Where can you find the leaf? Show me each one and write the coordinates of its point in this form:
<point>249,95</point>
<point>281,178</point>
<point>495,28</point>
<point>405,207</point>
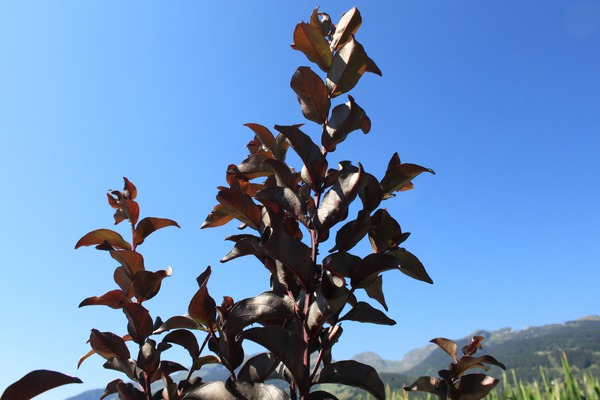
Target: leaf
<point>335,203</point>
<point>288,347</point>
<point>178,322</point>
<point>202,307</point>
<point>36,382</point>
<point>372,67</point>
<point>385,232</point>
<point>185,339</point>
<point>375,291</point>
<point>311,42</point>
<point>410,265</point>
<point>292,253</point>
<point>139,323</point>
<point>321,395</point>
<point>341,263</point>
<point>212,390</point>
<point>111,388</point>
<point>370,267</point>
<point>128,367</point>
<point>476,386</point>
<point>266,308</point>
<point>244,245</point>
<point>217,217</point>
<point>467,362</point>
<point>352,232</point>
<point>241,207</point>
<point>320,21</point>
<point>148,359</point>
<point>256,391</point>
<point>312,95</point>
<point>424,384</point>
<point>346,28</point>
<point>123,278</point>
<point>108,345</point>
<point>447,345</point>
<point>100,236</point>
<point>315,163</point>
<point>254,166</point>
<point>284,175</point>
<point>398,177</point>
<point>370,193</point>
<point>364,312</point>
<point>148,225</point>
<point>286,199</point>
<point>472,347</point>
<point>114,299</point>
<point>345,118</point>
<point>353,373</point>
<point>264,135</point>
<point>258,368</point>
<point>146,284</point>
<point>129,259</point>
<point>348,65</point>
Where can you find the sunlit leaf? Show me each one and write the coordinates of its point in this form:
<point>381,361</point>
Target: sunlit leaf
<point>286,199</point>
<point>255,166</point>
<point>352,232</point>
<point>348,65</point>
<point>129,259</point>
<point>100,236</point>
<point>178,322</point>
<point>312,95</point>
<point>385,232</point>
<point>139,324</point>
<point>202,307</point>
<point>263,134</point>
<point>473,345</point>
<point>353,373</point>
<point>341,263</point>
<point>311,42</point>
<point>256,391</point>
<point>217,217</point>
<point>36,382</point>
<point>241,206</point>
<point>372,67</point>
<point>113,299</point>
<point>424,384</point>
<point>288,347</point>
<point>146,284</point>
<point>148,225</point>
<point>345,118</point>
<point>346,28</point>
<point>447,345</point>
<point>148,358</point>
<point>285,176</point>
<point>294,254</point>
<point>398,177</point>
<point>315,163</point>
<point>467,362</point>
<point>266,308</point>
<point>320,21</point>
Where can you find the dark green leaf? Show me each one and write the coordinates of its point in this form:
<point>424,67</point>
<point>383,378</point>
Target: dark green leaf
<point>310,41</point>
<point>348,65</point>
<point>148,225</point>
<point>410,265</point>
<point>288,347</point>
<point>346,28</point>
<point>363,312</point>
<point>353,373</point>
<point>345,118</point>
<point>36,382</point>
<point>315,163</point>
<point>312,95</point>
<point>100,236</point>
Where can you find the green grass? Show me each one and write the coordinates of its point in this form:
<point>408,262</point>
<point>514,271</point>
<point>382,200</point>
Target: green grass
<point>567,387</point>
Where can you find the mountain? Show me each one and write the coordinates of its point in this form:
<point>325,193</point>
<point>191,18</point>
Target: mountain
<point>524,350</point>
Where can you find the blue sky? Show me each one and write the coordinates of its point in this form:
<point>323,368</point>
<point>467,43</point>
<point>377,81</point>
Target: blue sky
<point>501,99</point>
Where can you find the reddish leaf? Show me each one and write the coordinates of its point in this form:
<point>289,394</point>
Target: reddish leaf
<point>123,278</point>
<point>410,265</point>
<point>258,368</point>
<point>364,312</point>
<point>447,345</point>
<point>241,206</point>
<point>148,225</point>
<point>99,236</point>
<point>372,67</point>
<point>178,322</point>
<point>146,284</point>
<point>467,362</point>
<point>131,260</point>
<point>283,198</point>
<point>108,345</point>
<point>255,167</point>
<point>385,232</point>
<point>346,28</point>
<point>294,254</point>
<point>129,189</point>
<point>424,384</point>
<point>311,42</point>
<point>476,386</point>
<point>202,307</point>
<point>352,232</point>
<point>375,291</point>
<point>114,299</point>
<point>472,347</point>
<point>370,193</point>
<point>244,245</point>
<point>139,324</point>
<point>320,21</point>
<point>217,217</point>
<point>334,207</point>
<point>288,347</point>
<point>370,267</point>
<point>353,373</point>
<point>312,95</point>
<point>264,135</point>
<point>345,118</point>
<point>398,177</point>
<point>185,339</point>
<point>348,65</point>
<point>315,163</point>
<point>148,358</point>
<point>341,263</point>
<point>36,382</point>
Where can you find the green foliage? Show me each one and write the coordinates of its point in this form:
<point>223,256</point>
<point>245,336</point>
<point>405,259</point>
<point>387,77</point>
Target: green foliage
<point>286,213</point>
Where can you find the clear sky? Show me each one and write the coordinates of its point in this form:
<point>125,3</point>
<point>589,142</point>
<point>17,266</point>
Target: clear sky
<point>500,98</point>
